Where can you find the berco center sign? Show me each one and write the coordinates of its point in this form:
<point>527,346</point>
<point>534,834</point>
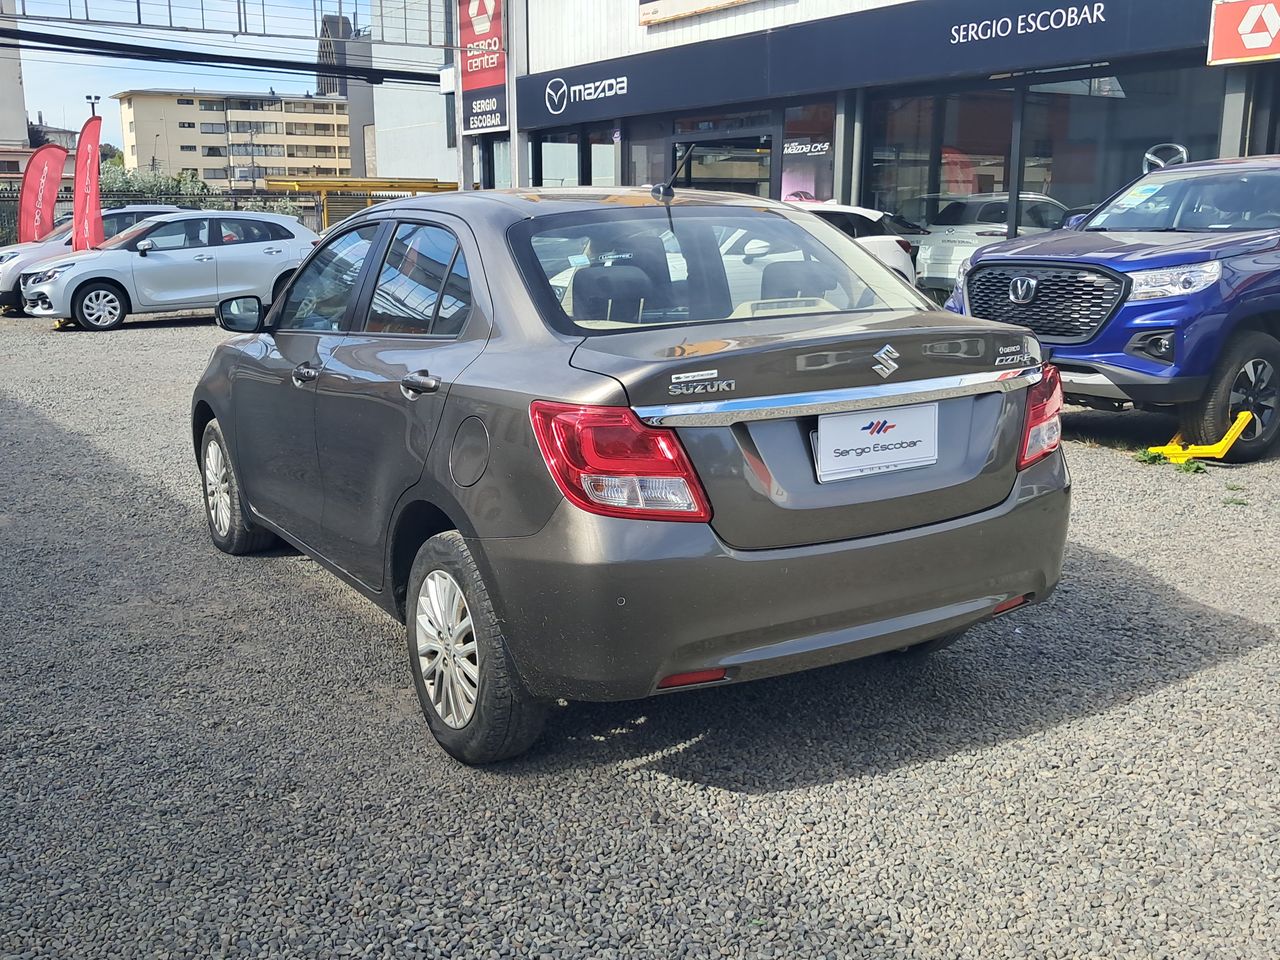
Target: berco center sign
<point>483,62</point>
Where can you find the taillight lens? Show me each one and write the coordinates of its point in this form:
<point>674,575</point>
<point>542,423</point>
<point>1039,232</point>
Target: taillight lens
<point>904,244</point>
<point>1043,431</point>
<point>606,461</point>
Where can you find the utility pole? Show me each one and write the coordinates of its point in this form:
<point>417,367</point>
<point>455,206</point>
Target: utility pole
<point>465,173</point>
<point>513,39</point>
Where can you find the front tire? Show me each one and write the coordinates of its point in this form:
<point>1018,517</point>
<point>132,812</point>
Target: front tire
<point>1246,377</point>
<point>229,529</point>
<point>474,703</point>
<point>99,306</point>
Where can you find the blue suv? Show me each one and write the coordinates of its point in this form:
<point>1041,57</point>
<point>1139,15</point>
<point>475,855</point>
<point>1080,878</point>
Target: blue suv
<point>1166,295</point>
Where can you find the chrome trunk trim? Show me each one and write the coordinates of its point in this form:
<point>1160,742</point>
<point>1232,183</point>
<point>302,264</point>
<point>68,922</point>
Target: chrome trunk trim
<point>720,413</point>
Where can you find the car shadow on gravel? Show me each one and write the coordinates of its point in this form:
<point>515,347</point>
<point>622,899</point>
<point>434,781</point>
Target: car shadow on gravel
<point>148,321</point>
<point>1132,430</point>
<point>1111,634</point>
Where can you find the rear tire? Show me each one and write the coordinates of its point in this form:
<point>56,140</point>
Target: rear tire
<point>99,306</point>
<point>921,650</point>
<point>474,703</point>
<point>1246,377</point>
<point>229,528</point>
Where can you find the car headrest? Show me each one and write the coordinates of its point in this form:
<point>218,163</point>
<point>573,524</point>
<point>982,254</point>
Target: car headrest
<point>610,293</point>
<point>796,278</point>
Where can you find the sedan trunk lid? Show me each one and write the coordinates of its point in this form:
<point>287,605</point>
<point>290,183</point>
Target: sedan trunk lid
<point>746,398</point>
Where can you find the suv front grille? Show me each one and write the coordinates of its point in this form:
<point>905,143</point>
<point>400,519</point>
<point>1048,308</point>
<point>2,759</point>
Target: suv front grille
<point>1069,303</point>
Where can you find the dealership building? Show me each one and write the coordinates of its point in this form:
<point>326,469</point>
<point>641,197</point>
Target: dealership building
<point>891,106</point>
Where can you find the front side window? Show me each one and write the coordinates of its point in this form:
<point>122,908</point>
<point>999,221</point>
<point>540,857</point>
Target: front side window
<point>318,298</point>
<point>180,234</point>
<point>619,269</point>
<point>407,298</point>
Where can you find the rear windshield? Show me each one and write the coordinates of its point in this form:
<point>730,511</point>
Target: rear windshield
<point>1194,202</point>
<point>612,270</point>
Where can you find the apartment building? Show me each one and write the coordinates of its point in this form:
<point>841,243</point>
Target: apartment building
<point>234,141</point>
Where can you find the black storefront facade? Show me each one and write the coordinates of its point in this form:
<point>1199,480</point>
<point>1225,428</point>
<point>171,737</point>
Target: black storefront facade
<point>895,107</point>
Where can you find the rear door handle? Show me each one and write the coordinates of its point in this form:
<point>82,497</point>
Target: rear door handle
<point>202,257</point>
<point>413,385</point>
<point>304,373</point>
<point>272,251</point>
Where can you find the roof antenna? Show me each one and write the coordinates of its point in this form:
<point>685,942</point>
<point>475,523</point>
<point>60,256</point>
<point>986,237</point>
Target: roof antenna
<point>663,192</point>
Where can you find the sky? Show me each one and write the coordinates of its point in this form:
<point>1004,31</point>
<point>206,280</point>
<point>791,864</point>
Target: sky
<point>56,83</point>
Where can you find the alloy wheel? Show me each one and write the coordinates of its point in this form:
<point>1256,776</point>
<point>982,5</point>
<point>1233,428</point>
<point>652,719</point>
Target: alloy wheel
<point>448,654</point>
<point>1256,389</point>
<point>217,489</point>
<point>100,308</point>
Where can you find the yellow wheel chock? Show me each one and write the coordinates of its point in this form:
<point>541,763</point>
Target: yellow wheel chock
<point>1175,451</point>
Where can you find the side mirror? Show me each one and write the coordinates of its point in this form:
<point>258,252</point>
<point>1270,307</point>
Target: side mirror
<point>755,248</point>
<point>1071,223</point>
<point>240,315</point>
<point>145,246</point>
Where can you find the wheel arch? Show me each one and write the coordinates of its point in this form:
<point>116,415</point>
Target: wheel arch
<point>110,281</point>
<point>416,522</point>
<point>280,282</point>
<point>201,416</point>
<point>1263,321</point>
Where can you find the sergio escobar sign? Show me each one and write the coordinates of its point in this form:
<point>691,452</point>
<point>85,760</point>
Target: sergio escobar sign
<point>1040,21</point>
<point>483,64</point>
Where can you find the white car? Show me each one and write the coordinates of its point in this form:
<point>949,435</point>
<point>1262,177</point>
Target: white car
<point>17,257</point>
<point>177,261</point>
<point>961,225</point>
<point>870,228</point>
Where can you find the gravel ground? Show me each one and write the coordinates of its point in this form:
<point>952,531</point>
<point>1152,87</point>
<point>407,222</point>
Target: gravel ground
<point>208,756</point>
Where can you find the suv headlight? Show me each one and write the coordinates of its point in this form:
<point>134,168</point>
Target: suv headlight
<point>1174,281</point>
<point>963,272</point>
<point>6,257</point>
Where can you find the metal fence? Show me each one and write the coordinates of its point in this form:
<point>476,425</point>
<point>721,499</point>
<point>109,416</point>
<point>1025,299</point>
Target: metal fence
<point>307,207</point>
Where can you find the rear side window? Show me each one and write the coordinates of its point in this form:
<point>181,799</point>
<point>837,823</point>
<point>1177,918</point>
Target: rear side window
<point>319,295</point>
<point>423,286</point>
<point>243,231</point>
<point>618,269</point>
<point>853,224</point>
<point>278,231</point>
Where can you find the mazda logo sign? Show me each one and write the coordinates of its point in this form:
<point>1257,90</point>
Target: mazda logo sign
<point>1022,289</point>
<point>557,96</point>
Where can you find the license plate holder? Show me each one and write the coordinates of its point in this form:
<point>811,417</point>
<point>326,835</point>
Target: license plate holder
<point>848,445</point>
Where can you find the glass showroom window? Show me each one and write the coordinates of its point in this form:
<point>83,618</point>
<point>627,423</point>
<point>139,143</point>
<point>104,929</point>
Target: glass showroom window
<point>1085,139</point>
<point>560,159</point>
<point>808,160</point>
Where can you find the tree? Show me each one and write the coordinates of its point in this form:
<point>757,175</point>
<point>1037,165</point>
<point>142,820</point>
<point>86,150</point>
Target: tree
<point>35,136</point>
<point>110,153</point>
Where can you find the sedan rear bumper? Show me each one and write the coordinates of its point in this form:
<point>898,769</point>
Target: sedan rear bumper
<point>596,608</point>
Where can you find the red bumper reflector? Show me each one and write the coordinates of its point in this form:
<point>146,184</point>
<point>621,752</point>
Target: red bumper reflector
<point>1010,604</point>
<point>687,679</point>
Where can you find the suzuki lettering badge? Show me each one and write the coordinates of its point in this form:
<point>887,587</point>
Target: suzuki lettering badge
<point>886,355</point>
<point>1022,289</point>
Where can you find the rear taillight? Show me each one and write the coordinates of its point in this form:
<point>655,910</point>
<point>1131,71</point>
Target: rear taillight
<point>1043,431</point>
<point>606,461</point>
<point>904,244</point>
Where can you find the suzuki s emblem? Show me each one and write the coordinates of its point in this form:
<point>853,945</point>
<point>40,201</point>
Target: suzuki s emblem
<point>557,96</point>
<point>886,355</point>
<point>1022,289</point>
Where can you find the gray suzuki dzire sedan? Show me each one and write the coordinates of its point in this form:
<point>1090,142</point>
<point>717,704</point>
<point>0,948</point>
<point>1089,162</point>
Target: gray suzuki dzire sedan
<point>596,445</point>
